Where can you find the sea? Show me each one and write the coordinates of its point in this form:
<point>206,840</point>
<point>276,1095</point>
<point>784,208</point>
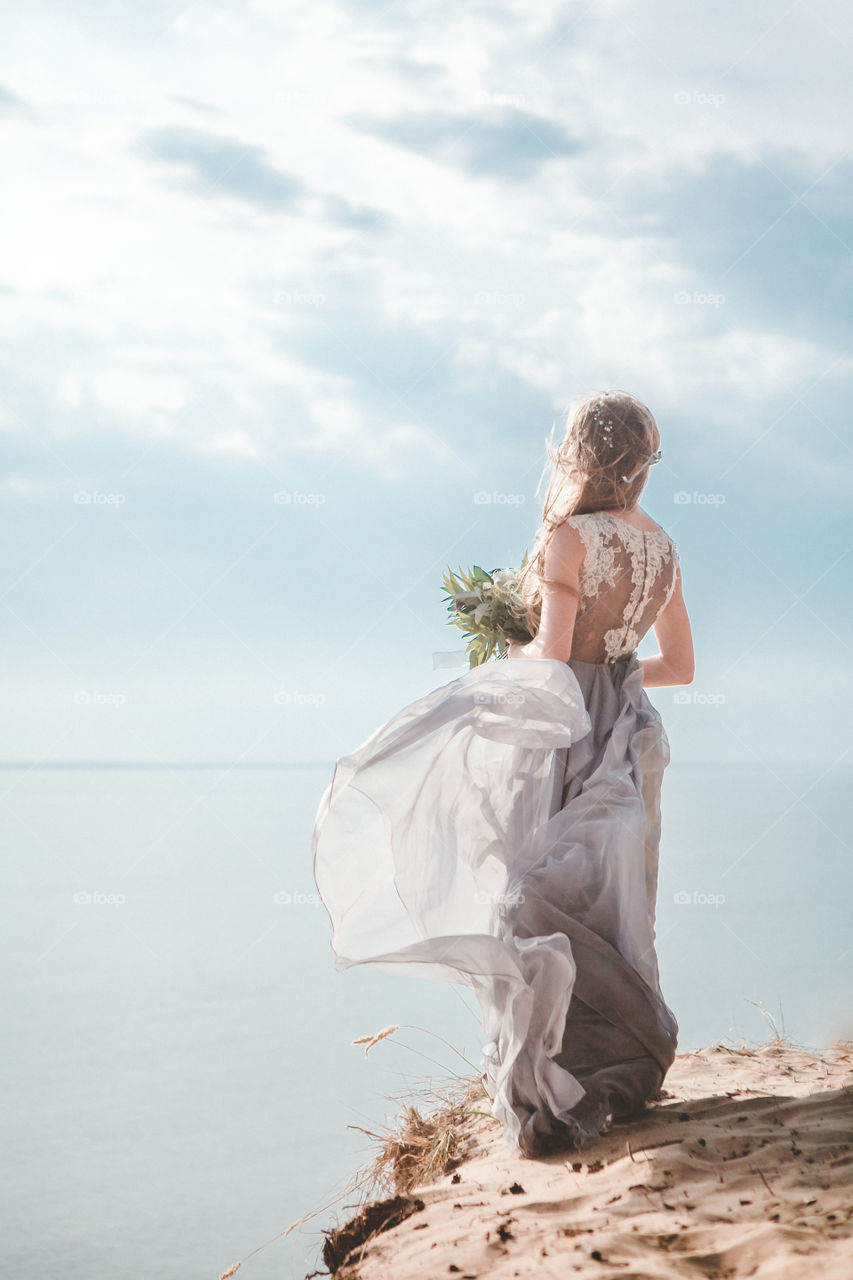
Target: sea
<point>180,1080</point>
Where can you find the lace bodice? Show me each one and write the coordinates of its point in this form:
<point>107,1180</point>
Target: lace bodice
<point>626,581</point>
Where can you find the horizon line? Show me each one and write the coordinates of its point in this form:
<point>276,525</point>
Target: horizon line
<point>37,765</point>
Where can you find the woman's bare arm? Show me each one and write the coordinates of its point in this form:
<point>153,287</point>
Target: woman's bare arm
<point>675,663</point>
<point>563,560</point>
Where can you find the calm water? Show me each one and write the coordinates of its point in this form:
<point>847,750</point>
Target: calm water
<point>179,1077</point>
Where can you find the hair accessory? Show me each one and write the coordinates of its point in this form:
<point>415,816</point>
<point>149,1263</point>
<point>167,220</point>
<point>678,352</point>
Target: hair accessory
<point>649,462</point>
<point>607,424</point>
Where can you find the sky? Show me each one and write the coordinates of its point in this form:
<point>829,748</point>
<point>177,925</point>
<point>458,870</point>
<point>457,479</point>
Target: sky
<point>291,298</point>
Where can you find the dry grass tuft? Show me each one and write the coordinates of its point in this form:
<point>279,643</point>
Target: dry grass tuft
<point>425,1144</point>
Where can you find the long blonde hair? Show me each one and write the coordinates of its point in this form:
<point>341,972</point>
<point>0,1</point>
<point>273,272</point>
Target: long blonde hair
<point>609,436</point>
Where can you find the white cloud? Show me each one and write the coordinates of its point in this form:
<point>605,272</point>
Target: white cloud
<point>164,302</point>
<point>136,393</point>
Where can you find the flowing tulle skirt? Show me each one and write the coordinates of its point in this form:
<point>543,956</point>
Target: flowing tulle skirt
<point>502,832</point>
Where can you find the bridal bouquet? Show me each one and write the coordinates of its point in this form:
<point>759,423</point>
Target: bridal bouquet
<point>488,608</point>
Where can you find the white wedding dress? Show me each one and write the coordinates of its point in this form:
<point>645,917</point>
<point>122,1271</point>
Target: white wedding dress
<point>502,832</point>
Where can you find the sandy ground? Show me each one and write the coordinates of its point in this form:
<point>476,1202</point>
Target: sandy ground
<point>744,1168</point>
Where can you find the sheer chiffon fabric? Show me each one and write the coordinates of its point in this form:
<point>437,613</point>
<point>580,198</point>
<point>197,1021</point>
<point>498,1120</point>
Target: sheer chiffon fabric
<point>502,832</point>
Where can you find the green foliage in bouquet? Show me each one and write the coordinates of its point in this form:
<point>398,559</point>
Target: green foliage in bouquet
<point>488,608</point>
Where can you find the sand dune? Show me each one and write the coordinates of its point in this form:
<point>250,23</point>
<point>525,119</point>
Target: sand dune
<point>743,1168</point>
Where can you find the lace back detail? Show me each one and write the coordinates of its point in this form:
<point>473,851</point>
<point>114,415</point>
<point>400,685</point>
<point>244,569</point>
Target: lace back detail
<point>626,581</point>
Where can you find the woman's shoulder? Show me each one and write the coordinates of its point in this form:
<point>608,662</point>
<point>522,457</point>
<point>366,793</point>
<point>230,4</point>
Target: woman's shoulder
<point>586,520</point>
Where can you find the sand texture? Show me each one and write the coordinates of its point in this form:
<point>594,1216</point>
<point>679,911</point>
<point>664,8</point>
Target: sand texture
<point>744,1167</point>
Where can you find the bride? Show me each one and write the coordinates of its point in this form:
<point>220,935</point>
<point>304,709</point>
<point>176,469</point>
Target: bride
<point>502,832</point>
